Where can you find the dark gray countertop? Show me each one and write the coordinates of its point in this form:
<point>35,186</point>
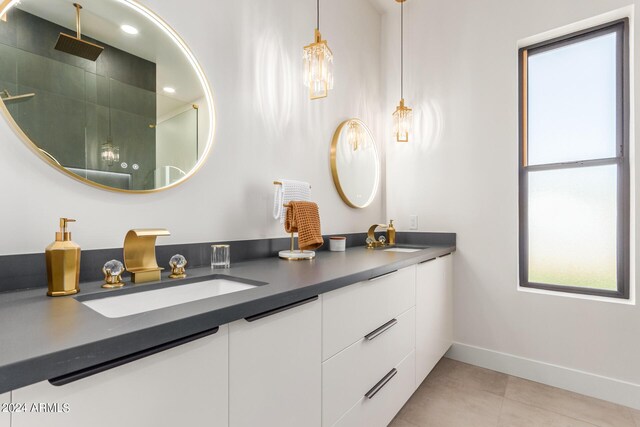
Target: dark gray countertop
<point>43,337</point>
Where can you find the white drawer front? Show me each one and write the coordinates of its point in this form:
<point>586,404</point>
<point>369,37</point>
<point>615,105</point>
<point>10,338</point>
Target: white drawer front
<point>353,311</point>
<point>348,375</point>
<point>381,408</point>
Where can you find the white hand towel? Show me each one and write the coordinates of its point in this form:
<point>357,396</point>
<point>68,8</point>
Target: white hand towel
<point>290,190</point>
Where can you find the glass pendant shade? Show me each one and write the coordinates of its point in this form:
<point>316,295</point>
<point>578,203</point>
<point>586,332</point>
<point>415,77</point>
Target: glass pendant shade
<point>402,122</point>
<point>318,67</point>
<point>356,136</point>
<point>110,153</point>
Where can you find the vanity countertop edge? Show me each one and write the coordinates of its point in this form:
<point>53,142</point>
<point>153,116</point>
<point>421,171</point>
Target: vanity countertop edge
<point>46,337</point>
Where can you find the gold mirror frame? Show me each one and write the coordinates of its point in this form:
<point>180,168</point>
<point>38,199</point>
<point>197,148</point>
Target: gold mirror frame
<point>334,167</point>
<point>6,5</point>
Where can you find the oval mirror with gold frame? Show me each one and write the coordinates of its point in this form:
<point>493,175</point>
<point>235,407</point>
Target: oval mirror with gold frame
<point>355,164</point>
<point>105,91</point>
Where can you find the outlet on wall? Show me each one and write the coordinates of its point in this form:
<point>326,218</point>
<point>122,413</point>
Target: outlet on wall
<point>413,222</point>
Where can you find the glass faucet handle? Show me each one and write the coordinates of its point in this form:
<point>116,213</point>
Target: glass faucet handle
<point>178,261</point>
<point>113,267</point>
<point>112,274</point>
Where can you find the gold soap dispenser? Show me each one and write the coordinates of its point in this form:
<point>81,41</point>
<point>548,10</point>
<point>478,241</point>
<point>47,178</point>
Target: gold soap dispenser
<point>391,234</point>
<point>63,263</point>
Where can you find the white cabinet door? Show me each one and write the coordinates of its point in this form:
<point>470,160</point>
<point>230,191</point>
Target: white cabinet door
<point>275,369</point>
<point>434,314</point>
<point>182,386</point>
<point>5,416</point>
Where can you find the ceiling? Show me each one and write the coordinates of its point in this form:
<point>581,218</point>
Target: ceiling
<point>101,20</point>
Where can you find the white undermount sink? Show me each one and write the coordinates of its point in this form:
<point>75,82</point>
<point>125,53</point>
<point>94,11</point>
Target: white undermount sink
<point>405,250</point>
<point>141,302</point>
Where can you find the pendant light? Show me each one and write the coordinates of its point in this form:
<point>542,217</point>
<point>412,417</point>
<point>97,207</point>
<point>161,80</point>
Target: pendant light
<point>356,136</point>
<point>403,116</point>
<point>318,64</point>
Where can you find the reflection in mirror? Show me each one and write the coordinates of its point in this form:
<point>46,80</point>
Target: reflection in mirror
<point>138,117</point>
<point>355,164</point>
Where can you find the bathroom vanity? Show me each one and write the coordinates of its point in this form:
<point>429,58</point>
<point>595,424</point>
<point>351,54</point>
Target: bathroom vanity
<point>342,340</point>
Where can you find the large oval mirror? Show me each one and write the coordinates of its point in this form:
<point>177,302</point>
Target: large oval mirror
<point>355,164</point>
<point>105,91</point>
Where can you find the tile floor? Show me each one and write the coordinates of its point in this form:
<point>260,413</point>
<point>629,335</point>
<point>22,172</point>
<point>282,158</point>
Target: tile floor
<point>456,394</point>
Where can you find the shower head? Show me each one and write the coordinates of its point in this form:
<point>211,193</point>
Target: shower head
<point>75,45</point>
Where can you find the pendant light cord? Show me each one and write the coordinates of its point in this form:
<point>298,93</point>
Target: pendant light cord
<point>318,15</point>
<point>401,50</point>
<point>109,137</point>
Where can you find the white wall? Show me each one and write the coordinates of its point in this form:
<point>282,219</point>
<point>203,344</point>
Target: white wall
<point>460,175</point>
<point>266,129</point>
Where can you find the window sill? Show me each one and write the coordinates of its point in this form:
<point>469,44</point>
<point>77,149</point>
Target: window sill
<point>623,301</point>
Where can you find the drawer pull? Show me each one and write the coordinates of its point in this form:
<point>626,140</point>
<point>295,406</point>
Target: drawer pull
<point>427,260</point>
<point>92,370</point>
<point>376,388</point>
<point>279,309</point>
<point>383,275</point>
<point>381,329</point>
<point>442,256</point>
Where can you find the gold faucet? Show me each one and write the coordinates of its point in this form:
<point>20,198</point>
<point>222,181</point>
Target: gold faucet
<point>371,237</point>
<point>390,240</point>
<point>140,254</point>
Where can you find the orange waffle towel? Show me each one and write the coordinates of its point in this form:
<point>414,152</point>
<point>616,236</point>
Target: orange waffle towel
<point>304,218</point>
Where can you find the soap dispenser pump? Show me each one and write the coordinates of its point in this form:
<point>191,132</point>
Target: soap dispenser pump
<point>63,263</point>
<point>391,234</point>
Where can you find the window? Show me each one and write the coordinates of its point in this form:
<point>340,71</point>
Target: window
<point>574,163</point>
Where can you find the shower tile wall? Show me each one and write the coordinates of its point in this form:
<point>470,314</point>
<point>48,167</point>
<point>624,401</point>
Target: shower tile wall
<point>73,96</point>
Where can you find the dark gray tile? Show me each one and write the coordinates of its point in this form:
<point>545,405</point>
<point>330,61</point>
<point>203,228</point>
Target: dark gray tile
<point>97,89</point>
<point>56,124</point>
<point>97,132</point>
<point>8,64</point>
<point>52,76</point>
<point>133,100</point>
<point>8,29</point>
<point>127,68</point>
<point>12,88</point>
<point>137,142</point>
<point>39,36</point>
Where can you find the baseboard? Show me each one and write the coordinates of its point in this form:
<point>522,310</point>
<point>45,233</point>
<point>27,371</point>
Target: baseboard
<point>605,388</point>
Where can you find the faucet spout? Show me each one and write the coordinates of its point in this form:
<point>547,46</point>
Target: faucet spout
<point>140,254</point>
<point>372,242</point>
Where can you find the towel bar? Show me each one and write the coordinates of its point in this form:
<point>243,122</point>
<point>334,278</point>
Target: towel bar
<point>279,183</point>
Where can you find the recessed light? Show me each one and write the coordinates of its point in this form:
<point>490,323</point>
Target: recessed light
<point>129,29</point>
<point>169,89</point>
